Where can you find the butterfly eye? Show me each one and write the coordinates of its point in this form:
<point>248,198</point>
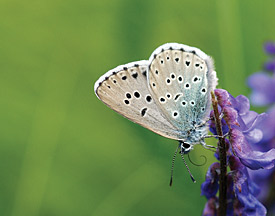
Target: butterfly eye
<point>186,145</point>
<point>185,148</point>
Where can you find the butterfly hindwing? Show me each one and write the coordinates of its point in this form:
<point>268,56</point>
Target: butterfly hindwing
<point>179,79</point>
<point>125,90</point>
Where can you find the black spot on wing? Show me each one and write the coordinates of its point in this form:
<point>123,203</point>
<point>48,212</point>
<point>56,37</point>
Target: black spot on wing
<point>144,73</point>
<point>135,75</point>
<point>148,98</point>
<point>128,95</point>
<point>143,111</point>
<point>177,96</point>
<point>136,94</point>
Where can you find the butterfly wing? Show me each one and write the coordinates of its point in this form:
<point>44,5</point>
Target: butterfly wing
<point>125,90</point>
<point>181,79</point>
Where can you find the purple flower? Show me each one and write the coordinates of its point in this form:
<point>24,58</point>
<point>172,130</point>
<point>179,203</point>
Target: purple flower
<point>263,86</point>
<point>230,116</point>
<point>269,48</point>
<point>270,65</point>
<point>250,149</point>
<point>222,97</point>
<point>236,165</point>
<point>249,205</point>
<point>263,93</point>
<point>249,157</point>
<point>237,115</point>
<point>245,131</point>
<point>268,128</point>
<point>210,187</point>
<point>210,208</point>
<point>264,178</point>
<point>245,190</point>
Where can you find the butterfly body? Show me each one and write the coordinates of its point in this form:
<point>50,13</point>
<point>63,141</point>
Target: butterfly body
<point>169,94</point>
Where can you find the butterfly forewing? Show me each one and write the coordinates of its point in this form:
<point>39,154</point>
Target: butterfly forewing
<point>125,90</point>
<point>179,81</point>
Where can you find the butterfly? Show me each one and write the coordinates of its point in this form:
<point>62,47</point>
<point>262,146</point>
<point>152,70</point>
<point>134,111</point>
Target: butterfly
<point>168,94</point>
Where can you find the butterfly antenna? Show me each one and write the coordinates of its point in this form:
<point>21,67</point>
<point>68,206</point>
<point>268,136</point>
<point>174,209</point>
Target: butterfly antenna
<point>172,168</point>
<point>187,168</point>
<point>205,160</point>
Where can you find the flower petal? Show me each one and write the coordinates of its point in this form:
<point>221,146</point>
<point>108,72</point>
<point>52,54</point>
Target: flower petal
<point>269,48</point>
<point>230,116</point>
<point>263,87</point>
<point>210,187</point>
<point>222,97</point>
<point>270,65</point>
<point>243,104</point>
<point>252,159</point>
<point>210,208</point>
<point>268,125</point>
<point>249,204</point>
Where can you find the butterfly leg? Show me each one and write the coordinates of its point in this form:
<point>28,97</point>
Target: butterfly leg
<point>216,136</point>
<point>209,147</point>
<point>204,122</point>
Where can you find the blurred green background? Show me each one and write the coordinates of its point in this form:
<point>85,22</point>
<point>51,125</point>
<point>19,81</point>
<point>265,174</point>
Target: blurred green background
<point>62,151</point>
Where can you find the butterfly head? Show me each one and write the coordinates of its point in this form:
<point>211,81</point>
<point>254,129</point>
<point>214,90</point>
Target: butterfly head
<point>185,148</point>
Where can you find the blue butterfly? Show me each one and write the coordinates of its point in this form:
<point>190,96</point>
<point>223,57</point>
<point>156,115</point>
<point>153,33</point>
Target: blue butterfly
<point>169,94</point>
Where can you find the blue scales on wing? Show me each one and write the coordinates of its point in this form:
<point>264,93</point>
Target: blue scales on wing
<point>181,79</point>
